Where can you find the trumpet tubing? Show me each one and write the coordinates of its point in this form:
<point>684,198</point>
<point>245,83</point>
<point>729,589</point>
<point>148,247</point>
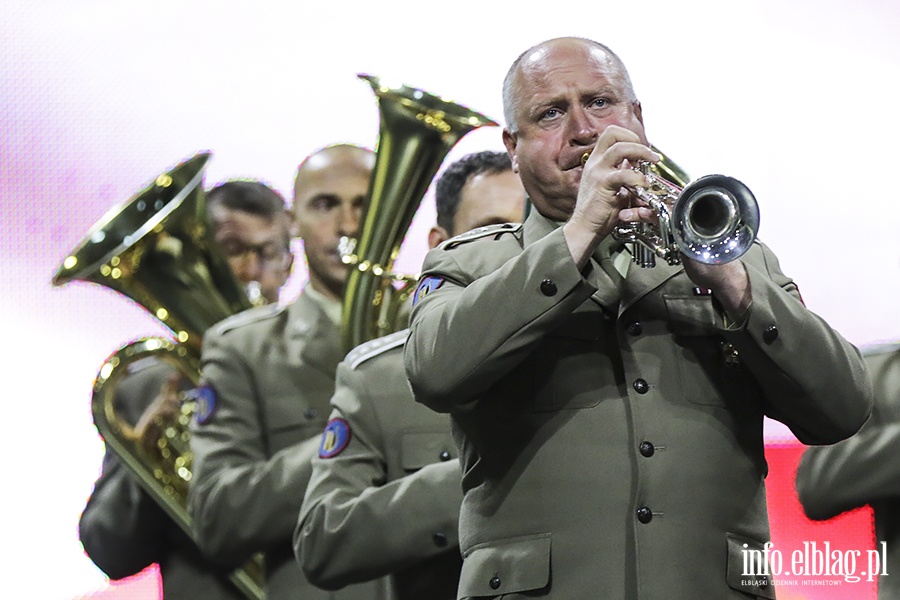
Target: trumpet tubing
<point>712,220</point>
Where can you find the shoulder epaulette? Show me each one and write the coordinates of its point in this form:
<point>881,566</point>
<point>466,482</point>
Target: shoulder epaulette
<point>251,315</point>
<point>481,232</point>
<point>373,348</point>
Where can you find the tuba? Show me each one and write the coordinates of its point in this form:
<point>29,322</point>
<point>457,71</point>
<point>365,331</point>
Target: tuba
<point>713,219</point>
<point>157,250</point>
<point>417,130</point>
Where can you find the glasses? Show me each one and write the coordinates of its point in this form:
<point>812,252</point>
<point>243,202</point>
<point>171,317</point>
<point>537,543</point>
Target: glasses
<point>270,256</point>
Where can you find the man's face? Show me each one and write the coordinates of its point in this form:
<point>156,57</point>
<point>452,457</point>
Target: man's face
<point>329,195</point>
<point>485,199</point>
<point>567,93</point>
<point>489,199</point>
<point>257,248</point>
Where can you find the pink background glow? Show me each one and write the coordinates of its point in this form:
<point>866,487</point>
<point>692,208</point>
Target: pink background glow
<point>98,97</point>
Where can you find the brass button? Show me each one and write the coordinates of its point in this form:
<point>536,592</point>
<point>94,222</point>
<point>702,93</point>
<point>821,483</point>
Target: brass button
<point>647,449</point>
<point>640,386</point>
<point>444,456</point>
<point>548,288</point>
<point>770,334</point>
<point>635,329</point>
<point>644,515</point>
<point>494,582</point>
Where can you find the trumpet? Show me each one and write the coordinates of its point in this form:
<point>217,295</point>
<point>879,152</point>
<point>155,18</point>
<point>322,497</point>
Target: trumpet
<point>713,219</point>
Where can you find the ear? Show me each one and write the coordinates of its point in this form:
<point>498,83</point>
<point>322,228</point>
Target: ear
<point>436,235</point>
<point>638,111</point>
<point>289,268</point>
<point>510,140</point>
<point>293,227</point>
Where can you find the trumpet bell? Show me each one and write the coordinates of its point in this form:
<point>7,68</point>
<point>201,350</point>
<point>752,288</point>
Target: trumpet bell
<point>715,219</point>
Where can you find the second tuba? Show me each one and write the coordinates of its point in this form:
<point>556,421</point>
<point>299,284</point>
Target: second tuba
<point>156,249</point>
<point>417,130</point>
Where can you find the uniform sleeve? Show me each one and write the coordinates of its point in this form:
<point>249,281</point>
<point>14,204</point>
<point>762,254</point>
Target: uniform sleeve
<point>241,501</point>
<point>122,530</point>
<point>863,469</point>
<point>468,333</point>
<point>850,474</point>
<point>354,526</point>
<point>813,380</point>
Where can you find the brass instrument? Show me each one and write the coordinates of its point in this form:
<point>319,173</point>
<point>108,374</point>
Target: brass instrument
<point>713,219</point>
<point>157,250</point>
<point>417,130</point>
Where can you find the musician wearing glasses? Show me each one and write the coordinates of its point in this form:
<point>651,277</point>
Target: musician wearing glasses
<point>609,417</point>
<point>267,376</point>
<point>122,529</point>
<point>385,490</point>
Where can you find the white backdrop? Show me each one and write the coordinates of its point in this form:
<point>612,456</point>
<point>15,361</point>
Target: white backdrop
<point>794,97</point>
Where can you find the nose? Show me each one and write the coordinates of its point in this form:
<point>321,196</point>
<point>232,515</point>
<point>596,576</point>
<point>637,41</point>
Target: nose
<point>248,267</point>
<point>348,220</point>
<point>581,128</point>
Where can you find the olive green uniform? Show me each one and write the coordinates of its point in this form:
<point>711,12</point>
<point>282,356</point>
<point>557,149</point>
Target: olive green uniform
<point>611,444</point>
<point>388,502</point>
<point>268,374</point>
<point>864,469</point>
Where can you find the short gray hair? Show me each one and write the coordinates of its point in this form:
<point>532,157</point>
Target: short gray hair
<point>510,102</point>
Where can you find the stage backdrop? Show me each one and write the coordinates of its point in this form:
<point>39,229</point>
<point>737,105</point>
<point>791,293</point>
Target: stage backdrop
<point>795,98</point>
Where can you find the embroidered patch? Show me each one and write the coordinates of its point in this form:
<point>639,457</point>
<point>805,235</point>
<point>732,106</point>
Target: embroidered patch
<point>335,438</point>
<point>426,286</point>
<point>206,403</point>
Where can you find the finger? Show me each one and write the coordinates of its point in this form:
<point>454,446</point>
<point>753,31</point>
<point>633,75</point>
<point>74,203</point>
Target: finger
<point>617,179</point>
<point>638,214</point>
<point>623,155</point>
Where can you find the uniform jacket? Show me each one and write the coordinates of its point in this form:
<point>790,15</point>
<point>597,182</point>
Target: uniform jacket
<point>388,502</point>
<point>610,444</point>
<point>267,374</point>
<point>864,469</point>
<point>124,531</point>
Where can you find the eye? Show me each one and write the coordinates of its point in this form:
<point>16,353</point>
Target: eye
<point>232,247</point>
<point>270,252</point>
<point>550,113</point>
<point>324,203</point>
<point>599,103</point>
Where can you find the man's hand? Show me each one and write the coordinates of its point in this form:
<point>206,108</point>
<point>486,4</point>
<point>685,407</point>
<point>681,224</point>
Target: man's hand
<point>729,283</point>
<point>603,192</point>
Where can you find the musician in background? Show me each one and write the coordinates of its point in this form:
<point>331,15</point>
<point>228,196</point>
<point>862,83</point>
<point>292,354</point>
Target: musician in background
<point>864,469</point>
<point>610,439</point>
<point>384,497</point>
<point>122,529</point>
<point>267,376</point>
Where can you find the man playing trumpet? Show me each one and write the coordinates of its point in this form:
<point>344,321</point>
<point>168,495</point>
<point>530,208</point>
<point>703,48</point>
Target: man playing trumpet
<point>610,419</point>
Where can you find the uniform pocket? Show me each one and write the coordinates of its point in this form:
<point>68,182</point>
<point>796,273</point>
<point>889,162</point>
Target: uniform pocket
<point>418,449</point>
<point>506,567</point>
<point>575,365</point>
<point>746,568</point>
<point>691,316</point>
<point>710,368</point>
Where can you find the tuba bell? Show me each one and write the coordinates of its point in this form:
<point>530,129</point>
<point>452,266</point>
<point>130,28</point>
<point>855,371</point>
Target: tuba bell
<point>417,130</point>
<point>156,249</point>
<point>713,219</point>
